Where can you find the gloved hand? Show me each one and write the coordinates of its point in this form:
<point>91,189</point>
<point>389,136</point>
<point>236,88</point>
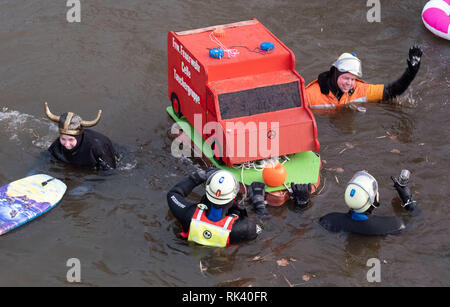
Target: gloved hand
<point>210,170</point>
<point>256,193</point>
<point>301,194</point>
<point>405,195</point>
<point>103,165</point>
<point>200,176</point>
<point>415,54</point>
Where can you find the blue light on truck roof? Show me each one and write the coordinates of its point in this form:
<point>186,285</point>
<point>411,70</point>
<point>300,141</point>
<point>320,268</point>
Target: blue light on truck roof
<point>216,53</point>
<point>267,46</point>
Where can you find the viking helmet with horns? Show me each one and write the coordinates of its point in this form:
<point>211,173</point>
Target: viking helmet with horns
<point>70,123</point>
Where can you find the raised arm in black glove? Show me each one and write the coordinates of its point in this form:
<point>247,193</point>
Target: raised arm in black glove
<point>301,194</point>
<point>405,195</point>
<point>201,176</point>
<point>256,193</point>
<point>398,87</point>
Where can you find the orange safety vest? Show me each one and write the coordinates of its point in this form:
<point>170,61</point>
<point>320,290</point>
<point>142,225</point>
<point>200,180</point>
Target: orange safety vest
<point>206,232</point>
<point>362,92</point>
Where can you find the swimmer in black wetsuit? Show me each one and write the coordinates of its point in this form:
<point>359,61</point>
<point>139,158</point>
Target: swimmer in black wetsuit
<point>361,195</point>
<point>81,147</point>
<point>217,220</point>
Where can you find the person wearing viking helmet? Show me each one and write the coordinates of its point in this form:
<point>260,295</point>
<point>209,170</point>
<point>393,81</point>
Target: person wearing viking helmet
<point>79,146</point>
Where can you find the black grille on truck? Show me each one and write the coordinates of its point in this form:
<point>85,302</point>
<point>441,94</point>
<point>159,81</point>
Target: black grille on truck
<point>259,100</point>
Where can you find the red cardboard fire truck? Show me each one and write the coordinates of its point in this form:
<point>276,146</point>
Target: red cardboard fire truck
<point>236,84</point>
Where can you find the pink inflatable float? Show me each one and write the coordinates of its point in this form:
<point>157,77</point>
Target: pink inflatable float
<point>436,17</point>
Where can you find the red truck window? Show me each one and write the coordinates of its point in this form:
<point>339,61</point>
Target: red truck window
<point>259,100</point>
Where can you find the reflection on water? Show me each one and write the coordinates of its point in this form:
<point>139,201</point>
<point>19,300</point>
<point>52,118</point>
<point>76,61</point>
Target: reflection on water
<point>118,224</point>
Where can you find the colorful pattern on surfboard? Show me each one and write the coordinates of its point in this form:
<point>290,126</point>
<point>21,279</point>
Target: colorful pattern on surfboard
<point>27,198</point>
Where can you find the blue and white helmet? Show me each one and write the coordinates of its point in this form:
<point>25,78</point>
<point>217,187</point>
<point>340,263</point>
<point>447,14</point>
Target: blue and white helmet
<point>361,191</point>
<point>221,187</point>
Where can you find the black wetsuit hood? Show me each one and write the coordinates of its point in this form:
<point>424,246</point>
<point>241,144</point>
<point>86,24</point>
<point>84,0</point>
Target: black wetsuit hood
<point>70,152</point>
<point>328,82</point>
<point>93,150</point>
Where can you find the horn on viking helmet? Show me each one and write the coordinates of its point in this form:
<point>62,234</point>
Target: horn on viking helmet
<point>90,123</point>
<point>50,115</point>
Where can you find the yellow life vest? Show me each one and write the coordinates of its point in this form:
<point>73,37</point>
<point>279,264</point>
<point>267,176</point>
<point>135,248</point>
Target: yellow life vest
<point>206,232</point>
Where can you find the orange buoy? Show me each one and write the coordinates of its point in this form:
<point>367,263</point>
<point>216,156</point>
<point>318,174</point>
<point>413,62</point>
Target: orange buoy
<point>274,175</point>
<point>219,32</point>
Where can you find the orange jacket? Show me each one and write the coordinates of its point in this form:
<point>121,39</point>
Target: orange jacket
<point>362,92</point>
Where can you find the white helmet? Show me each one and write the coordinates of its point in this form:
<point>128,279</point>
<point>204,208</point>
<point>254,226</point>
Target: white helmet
<point>348,62</point>
<point>361,191</point>
<point>221,187</point>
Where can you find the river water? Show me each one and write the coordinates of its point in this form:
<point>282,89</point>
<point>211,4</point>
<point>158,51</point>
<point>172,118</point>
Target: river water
<point>118,224</point>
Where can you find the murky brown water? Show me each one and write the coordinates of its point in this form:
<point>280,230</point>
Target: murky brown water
<point>119,225</point>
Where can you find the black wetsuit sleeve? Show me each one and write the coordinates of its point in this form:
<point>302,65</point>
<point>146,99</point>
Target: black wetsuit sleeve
<point>182,209</point>
<point>244,229</point>
<point>397,87</point>
<point>405,195</point>
<point>104,154</point>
